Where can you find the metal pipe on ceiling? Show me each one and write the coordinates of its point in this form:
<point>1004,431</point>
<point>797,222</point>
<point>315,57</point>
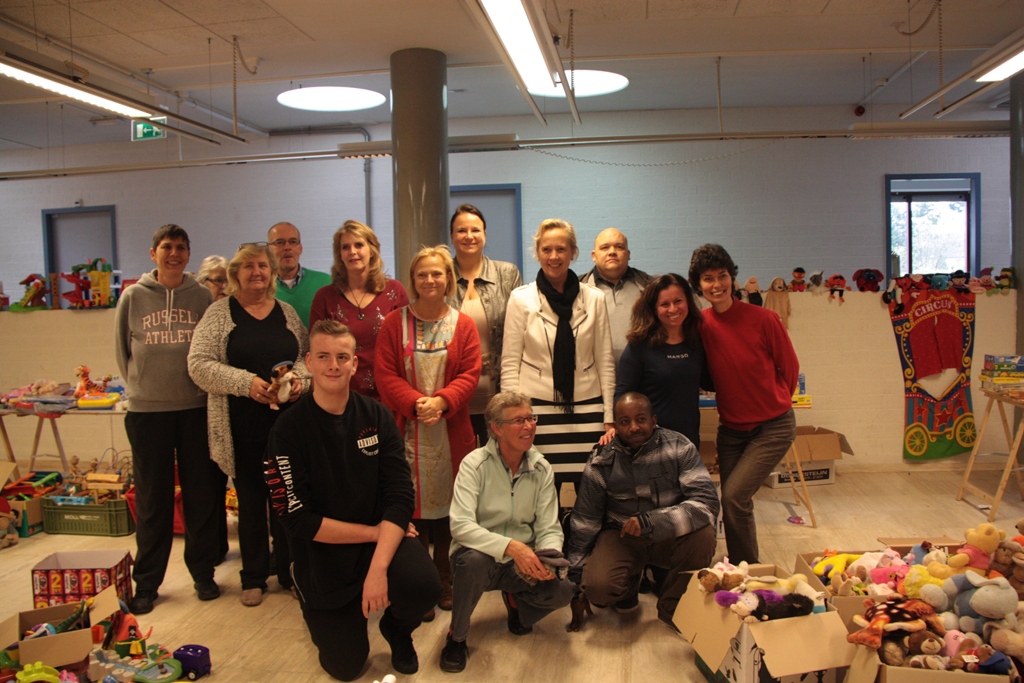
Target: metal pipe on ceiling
<point>963,129</point>
<point>121,71</point>
<point>896,74</point>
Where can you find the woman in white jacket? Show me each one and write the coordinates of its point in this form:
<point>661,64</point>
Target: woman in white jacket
<point>557,350</point>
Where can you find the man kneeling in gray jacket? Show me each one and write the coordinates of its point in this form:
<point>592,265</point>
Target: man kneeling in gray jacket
<point>645,498</point>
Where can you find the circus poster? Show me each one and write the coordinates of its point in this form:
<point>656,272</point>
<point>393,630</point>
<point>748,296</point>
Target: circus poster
<point>935,336</point>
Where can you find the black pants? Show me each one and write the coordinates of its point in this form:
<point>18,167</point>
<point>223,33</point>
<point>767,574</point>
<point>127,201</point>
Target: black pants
<point>340,634</point>
<point>157,440</point>
<point>253,497</point>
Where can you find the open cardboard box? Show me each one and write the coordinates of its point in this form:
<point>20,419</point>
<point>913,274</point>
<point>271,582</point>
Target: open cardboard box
<point>849,606</point>
<point>786,649</point>
<point>62,649</point>
<point>868,668</point>
<point>818,443</point>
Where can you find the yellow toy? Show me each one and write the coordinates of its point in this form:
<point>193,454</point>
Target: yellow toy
<point>917,577</point>
<point>974,555</point>
<point>771,583</point>
<point>829,566</point>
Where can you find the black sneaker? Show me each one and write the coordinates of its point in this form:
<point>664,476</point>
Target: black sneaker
<point>403,654</point>
<point>143,601</point>
<point>207,590</point>
<point>515,626</point>
<point>628,604</point>
<point>453,656</point>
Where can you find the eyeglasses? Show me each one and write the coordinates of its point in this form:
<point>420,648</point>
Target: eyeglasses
<point>293,242</point>
<point>217,280</point>
<point>258,245</point>
<point>519,421</point>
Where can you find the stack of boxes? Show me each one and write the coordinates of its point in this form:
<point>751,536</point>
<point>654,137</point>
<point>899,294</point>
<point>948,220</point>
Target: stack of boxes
<point>1002,373</point>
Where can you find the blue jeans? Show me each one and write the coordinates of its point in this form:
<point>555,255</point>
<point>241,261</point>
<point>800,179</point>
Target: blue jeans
<point>745,459</point>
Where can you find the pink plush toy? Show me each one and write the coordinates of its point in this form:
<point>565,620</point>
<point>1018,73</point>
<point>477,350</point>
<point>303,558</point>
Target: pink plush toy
<point>890,575</point>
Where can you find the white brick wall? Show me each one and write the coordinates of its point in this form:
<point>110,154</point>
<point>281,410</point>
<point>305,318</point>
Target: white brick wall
<point>818,204</point>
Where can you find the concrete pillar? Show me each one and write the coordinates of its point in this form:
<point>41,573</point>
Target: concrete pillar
<point>419,135</point>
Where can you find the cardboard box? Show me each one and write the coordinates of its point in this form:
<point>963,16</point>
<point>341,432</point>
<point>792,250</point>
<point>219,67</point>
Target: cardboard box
<point>849,606</point>
<point>817,443</point>
<point>62,649</point>
<point>814,475</point>
<point>846,606</point>
<point>867,668</point>
<point>31,516</point>
<point>786,649</point>
<point>67,577</point>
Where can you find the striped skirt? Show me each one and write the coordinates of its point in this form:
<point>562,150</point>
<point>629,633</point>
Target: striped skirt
<point>567,439</point>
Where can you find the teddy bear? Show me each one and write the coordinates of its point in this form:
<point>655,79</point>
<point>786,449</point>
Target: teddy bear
<point>9,523</point>
<point>722,576</point>
<point>1016,577</point>
<point>974,555</point>
<point>983,660</point>
<point>973,601</point>
<point>1019,538</point>
<point>1002,558</point>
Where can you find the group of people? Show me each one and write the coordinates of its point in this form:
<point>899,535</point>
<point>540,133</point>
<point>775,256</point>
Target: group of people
<point>449,419</point>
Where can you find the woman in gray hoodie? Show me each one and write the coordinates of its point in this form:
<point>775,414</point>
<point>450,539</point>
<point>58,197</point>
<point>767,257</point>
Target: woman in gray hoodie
<point>166,420</point>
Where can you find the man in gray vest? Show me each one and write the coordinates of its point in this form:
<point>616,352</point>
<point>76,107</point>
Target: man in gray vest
<point>620,283</point>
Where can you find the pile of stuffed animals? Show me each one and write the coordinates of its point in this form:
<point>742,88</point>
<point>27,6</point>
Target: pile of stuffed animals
<point>961,610</point>
<point>759,598</point>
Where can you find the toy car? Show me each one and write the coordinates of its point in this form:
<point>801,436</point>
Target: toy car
<point>195,661</point>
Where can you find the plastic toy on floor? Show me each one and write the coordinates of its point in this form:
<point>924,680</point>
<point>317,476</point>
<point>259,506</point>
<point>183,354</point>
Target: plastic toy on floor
<point>195,661</point>
<point>38,672</point>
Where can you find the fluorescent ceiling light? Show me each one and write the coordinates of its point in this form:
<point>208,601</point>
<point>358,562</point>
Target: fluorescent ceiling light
<point>72,91</point>
<point>1004,70</point>
<point>586,83</point>
<point>331,98</point>
<point>508,17</point>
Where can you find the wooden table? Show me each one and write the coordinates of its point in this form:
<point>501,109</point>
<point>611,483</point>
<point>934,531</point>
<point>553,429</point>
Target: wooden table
<point>40,420</point>
<point>7,439</point>
<point>1013,442</point>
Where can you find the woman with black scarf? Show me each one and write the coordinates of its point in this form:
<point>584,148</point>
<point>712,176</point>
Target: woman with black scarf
<point>558,351</point>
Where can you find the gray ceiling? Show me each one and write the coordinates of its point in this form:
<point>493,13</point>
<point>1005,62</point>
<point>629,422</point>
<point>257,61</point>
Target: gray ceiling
<point>775,53</point>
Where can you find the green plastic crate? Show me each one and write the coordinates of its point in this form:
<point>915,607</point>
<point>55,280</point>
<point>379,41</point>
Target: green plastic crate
<point>109,519</point>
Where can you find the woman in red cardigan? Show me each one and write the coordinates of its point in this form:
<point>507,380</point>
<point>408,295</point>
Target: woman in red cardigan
<point>427,369</point>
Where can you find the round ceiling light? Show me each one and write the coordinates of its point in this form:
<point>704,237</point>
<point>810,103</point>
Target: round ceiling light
<point>331,98</point>
<point>586,83</point>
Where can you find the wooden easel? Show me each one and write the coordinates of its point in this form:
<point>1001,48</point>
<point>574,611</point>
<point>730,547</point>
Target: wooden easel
<point>803,498</point>
<point>1013,442</point>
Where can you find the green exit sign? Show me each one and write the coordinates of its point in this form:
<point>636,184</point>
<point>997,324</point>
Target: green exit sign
<point>143,130</point>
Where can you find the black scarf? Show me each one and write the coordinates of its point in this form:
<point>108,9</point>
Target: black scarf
<point>564,363</point>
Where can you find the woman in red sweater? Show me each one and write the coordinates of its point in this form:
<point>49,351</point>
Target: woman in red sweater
<point>427,369</point>
<point>754,369</point>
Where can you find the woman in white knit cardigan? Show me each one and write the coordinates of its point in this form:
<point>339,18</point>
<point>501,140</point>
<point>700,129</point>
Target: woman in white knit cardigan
<point>234,350</point>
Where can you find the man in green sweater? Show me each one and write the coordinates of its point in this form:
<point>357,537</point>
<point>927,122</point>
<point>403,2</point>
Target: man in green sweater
<point>295,285</point>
